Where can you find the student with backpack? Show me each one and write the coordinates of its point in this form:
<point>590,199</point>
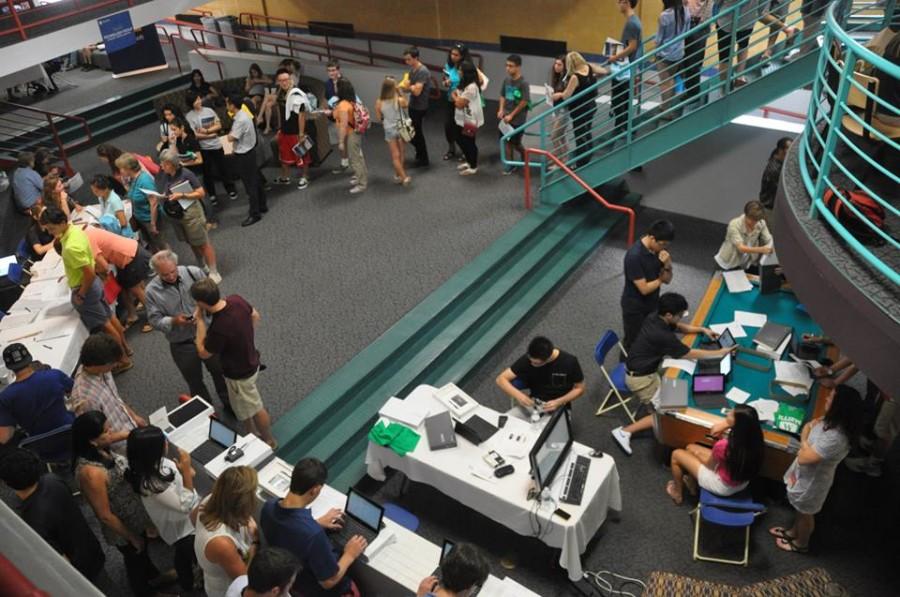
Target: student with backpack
<point>352,121</point>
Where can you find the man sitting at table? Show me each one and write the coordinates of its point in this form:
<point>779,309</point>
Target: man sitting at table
<point>746,238</point>
<point>36,400</point>
<point>654,342</point>
<point>552,376</point>
<point>288,523</point>
<point>87,290</point>
<point>462,570</point>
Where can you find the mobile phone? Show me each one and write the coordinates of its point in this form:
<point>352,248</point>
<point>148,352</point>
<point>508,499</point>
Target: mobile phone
<point>502,421</point>
<point>562,514</point>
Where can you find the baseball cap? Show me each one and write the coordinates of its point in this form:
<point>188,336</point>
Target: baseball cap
<point>16,357</point>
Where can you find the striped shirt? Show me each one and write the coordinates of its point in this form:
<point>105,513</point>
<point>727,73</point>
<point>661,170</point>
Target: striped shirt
<point>99,392</point>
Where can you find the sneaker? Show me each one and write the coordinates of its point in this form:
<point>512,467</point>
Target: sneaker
<point>213,200</point>
<point>232,195</point>
<point>406,181</point>
<point>462,166</point>
<point>356,190</point>
<point>215,276</point>
<point>302,183</point>
<point>397,179</point>
<point>353,181</point>
<point>280,180</point>
<point>864,465</point>
<point>623,438</point>
<point>468,172</point>
<point>509,170</point>
<point>340,169</point>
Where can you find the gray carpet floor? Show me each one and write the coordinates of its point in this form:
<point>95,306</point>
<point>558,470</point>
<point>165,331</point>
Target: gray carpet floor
<point>330,273</point>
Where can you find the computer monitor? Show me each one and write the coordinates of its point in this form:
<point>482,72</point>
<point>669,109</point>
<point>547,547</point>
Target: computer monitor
<point>551,448</point>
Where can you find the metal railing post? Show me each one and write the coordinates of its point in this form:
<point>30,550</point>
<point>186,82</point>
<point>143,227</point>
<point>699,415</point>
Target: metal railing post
<point>15,18</point>
<point>62,149</point>
<point>527,178</point>
<point>631,112</point>
<point>544,142</point>
<point>371,55</point>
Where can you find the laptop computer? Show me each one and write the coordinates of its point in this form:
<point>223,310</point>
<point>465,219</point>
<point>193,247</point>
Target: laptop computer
<point>221,437</point>
<point>439,429</point>
<point>673,393</point>
<point>362,516</point>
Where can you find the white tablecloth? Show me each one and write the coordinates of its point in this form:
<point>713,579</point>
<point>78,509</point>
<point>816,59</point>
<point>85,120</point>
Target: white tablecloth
<point>44,320</point>
<point>505,500</point>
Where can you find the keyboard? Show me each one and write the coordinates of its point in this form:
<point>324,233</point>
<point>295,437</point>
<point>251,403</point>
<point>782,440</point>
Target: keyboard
<point>208,450</point>
<point>576,478</point>
<point>352,527</point>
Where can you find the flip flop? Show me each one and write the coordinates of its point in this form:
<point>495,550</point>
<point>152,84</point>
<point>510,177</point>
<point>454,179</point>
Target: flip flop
<point>789,545</point>
<point>779,533</point>
<point>670,489</point>
<point>690,483</point>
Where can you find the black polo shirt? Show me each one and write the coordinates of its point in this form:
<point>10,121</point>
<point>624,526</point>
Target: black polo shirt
<point>640,263</point>
<point>654,342</point>
<point>551,380</point>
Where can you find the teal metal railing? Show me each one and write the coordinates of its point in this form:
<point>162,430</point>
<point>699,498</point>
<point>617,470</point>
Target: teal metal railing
<point>849,138</point>
<point>642,98</point>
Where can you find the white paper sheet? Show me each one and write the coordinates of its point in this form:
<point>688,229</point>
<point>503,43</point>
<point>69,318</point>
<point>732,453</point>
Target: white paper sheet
<point>736,281</point>
<point>793,374</point>
<point>771,259</point>
<point>737,331</point>
<point>687,365</point>
<point>812,364</point>
<point>408,414</point>
<point>737,395</point>
<point>750,319</point>
<point>725,365</point>
<point>766,408</point>
<point>505,127</point>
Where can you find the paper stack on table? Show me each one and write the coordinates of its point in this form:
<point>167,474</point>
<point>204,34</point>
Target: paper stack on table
<point>750,319</point>
<point>687,365</point>
<point>737,331</point>
<point>736,281</point>
<point>737,395</point>
<point>794,378</point>
<point>408,414</point>
<point>765,408</point>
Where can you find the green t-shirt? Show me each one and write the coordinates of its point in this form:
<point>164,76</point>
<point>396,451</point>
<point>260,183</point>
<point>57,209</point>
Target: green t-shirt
<point>76,253</point>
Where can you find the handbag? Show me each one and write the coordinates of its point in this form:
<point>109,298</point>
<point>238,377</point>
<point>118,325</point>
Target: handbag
<point>470,126</point>
<point>173,209</point>
<point>405,127</point>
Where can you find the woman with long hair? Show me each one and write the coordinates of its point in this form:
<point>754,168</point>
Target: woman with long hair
<point>55,194</point>
<point>256,83</point>
<point>167,115</point>
<point>469,116</point>
<point>389,109</point>
<point>560,120</point>
<point>100,475</point>
<point>673,21</point>
<point>167,492</point>
<point>199,84</point>
<point>226,534</point>
<point>108,154</point>
<point>580,75</point>
<point>458,54</point>
<point>824,443</point>
<point>191,157</point>
<point>348,139</point>
<point>729,466</point>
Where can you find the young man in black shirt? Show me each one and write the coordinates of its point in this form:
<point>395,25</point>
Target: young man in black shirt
<point>653,343</point>
<point>418,85</point>
<point>552,376</point>
<point>647,267</point>
<point>47,505</point>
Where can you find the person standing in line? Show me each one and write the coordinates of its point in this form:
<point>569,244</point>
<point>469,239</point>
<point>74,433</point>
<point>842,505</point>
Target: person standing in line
<point>95,389</point>
<point>333,68</point>
<point>243,136</point>
<point>27,184</point>
<point>100,475</point>
<point>515,100</point>
<point>417,83</point>
<point>469,117</point>
<point>674,20</point>
<point>87,289</point>
<point>230,334</point>
<point>656,341</point>
<point>188,147</point>
<point>46,504</point>
<point>695,46</point>
<point>746,239</point>
<point>581,76</point>
<point>824,443</point>
<point>167,492</point>
<point>632,50</point>
<point>202,88</point>
<point>226,536</point>
<point>191,227</point>
<point>294,105</point>
<point>207,126</point>
<point>145,207</point>
<point>771,176</point>
<point>560,119</point>
<point>458,54</point>
<point>389,110</point>
<point>170,309</point>
<point>348,139</point>
<point>648,266</point>
<point>168,114</point>
<point>110,202</point>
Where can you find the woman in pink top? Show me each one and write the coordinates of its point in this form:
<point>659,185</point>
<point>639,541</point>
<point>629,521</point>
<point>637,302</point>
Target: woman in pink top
<point>729,466</point>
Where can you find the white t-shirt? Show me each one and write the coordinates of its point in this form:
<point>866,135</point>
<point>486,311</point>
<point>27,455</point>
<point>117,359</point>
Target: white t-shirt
<point>237,586</point>
<point>205,118</point>
<point>472,112</point>
<point>170,509</point>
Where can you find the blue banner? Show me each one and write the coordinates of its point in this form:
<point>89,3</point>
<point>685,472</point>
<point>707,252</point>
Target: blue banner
<point>117,31</point>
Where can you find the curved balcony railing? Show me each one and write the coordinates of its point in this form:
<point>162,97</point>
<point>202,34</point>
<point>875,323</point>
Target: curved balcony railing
<point>852,141</point>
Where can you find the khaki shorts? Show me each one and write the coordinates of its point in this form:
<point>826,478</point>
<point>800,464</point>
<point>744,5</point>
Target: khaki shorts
<point>192,227</point>
<point>244,397</point>
<point>643,387</point>
<point>887,424</point>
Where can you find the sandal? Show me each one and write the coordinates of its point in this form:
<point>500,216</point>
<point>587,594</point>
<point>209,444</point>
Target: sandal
<point>449,155</point>
<point>130,322</point>
<point>147,328</point>
<point>779,533</point>
<point>787,544</point>
<point>670,489</point>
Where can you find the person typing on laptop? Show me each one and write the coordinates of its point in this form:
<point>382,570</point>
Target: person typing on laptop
<point>288,523</point>
<point>654,342</point>
<point>552,376</point>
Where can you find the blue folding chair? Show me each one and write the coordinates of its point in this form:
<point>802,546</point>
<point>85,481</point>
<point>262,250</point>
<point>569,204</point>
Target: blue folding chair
<point>616,379</point>
<point>16,274</point>
<point>736,511</point>
<point>401,516</point>
<point>53,447</point>
<point>22,253</point>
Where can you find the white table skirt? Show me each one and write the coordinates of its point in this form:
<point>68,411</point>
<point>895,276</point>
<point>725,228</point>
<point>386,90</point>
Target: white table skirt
<point>505,500</point>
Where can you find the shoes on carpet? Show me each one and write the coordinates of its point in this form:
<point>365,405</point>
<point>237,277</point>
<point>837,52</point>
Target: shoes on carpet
<point>623,439</point>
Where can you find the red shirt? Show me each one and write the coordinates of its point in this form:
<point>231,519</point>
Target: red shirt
<point>719,450</point>
<point>230,335</point>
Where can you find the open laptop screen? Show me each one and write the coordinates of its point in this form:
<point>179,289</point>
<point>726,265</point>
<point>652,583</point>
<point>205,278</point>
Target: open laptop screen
<point>726,340</point>
<point>363,510</point>
<point>709,383</point>
<point>221,433</point>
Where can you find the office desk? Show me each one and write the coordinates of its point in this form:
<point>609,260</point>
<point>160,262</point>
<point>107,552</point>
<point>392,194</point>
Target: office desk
<point>505,500</point>
<point>684,426</point>
<point>43,318</point>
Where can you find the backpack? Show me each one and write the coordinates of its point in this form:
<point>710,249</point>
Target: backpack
<point>863,203</point>
<point>361,118</point>
<point>147,163</point>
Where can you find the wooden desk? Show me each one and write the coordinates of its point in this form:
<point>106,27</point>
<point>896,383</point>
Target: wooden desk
<point>690,425</point>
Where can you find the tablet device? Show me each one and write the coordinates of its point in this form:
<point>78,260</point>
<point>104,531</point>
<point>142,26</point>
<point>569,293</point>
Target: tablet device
<point>709,384</point>
<point>726,340</point>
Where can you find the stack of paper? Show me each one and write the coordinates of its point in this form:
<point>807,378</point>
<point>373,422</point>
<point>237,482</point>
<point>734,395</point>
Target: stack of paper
<point>750,319</point>
<point>765,408</point>
<point>687,365</point>
<point>403,412</point>
<point>737,395</point>
<point>737,331</point>
<point>736,281</point>
<point>794,378</point>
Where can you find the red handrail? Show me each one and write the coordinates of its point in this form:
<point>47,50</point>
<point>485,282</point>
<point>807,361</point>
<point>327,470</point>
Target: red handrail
<point>610,206</point>
<point>22,29</point>
<point>766,109</point>
<point>50,116</point>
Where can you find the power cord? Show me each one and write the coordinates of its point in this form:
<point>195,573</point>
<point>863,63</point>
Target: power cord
<point>605,585</point>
